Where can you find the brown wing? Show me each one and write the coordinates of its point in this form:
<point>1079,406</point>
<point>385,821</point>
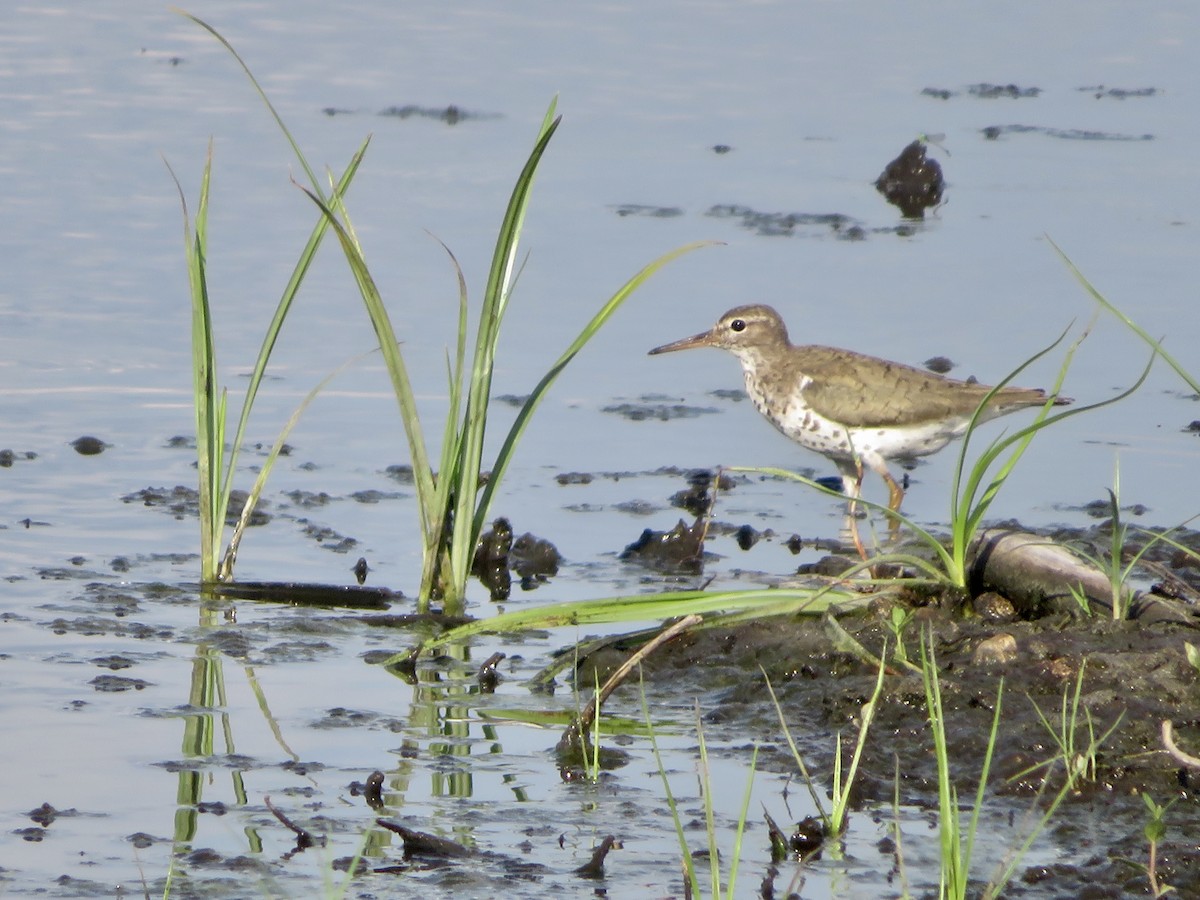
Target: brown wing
<point>865,391</point>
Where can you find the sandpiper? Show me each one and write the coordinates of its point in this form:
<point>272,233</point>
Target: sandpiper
<point>847,406</point>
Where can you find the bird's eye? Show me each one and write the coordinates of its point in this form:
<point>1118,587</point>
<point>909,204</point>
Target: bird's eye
<point>738,325</point>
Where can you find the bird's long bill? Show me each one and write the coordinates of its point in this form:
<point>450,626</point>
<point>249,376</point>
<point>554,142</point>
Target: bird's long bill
<point>696,340</point>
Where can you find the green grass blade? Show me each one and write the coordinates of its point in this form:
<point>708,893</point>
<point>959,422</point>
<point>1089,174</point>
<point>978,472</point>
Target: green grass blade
<point>282,308</point>
<point>961,501</point>
<point>226,571</point>
<point>495,299</point>
<point>948,815</point>
<point>1129,323</point>
<point>504,456</point>
<point>842,799</point>
<point>642,608</point>
<point>1022,438</point>
<point>223,480</point>
<point>798,757</point>
<point>435,566</point>
<point>312,178</point>
<point>743,815</point>
<point>206,399</point>
<point>688,863</point>
<point>710,827</point>
<point>981,790</point>
<point>394,361</point>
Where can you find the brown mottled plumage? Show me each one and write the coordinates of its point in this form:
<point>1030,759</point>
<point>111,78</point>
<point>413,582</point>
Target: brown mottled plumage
<point>848,406</point>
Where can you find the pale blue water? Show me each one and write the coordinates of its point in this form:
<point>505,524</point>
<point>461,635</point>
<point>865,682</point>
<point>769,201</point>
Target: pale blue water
<point>814,99</point>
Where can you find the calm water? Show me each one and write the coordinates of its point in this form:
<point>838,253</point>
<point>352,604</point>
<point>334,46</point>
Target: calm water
<point>813,99</point>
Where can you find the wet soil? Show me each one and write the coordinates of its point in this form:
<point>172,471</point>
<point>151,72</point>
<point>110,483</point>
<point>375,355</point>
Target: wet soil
<point>1135,676</point>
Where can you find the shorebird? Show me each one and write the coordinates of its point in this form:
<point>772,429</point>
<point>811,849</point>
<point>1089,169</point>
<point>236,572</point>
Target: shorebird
<point>852,408</point>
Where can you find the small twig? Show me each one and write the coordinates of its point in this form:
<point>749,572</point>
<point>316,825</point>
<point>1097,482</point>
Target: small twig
<point>419,843</point>
<point>304,839</point>
<point>1168,739</point>
<point>573,736</point>
<point>594,868</point>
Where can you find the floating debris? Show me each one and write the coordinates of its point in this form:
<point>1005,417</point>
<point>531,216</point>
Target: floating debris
<point>8,457</point>
<point>488,675</point>
<point>776,223</point>
<point>639,412</point>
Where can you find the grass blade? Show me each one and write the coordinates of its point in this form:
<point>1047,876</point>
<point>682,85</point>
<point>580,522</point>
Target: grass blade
<point>504,456</point>
<point>495,300</point>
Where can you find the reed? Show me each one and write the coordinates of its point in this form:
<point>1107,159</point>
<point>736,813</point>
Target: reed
<point>453,500</point>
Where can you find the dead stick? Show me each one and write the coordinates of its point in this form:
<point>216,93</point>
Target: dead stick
<point>303,838</point>
<point>1168,739</point>
<point>572,737</point>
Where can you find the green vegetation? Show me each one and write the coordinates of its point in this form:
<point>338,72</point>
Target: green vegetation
<point>717,890</point>
<point>217,460</point>
<point>834,820</point>
<point>1077,759</point>
<point>454,502</point>
<point>958,837</point>
<point>1155,831</point>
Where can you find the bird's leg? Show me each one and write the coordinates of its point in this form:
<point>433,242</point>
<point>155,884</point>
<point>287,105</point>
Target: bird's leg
<point>895,492</point>
<point>852,479</point>
<point>895,495</point>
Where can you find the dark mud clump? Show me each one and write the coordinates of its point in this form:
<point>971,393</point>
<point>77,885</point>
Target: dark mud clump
<point>912,182</point>
<point>451,114</point>
<point>89,446</point>
<point>679,551</point>
<point>499,556</point>
<point>994,132</point>
<point>653,212</point>
<point>8,457</point>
